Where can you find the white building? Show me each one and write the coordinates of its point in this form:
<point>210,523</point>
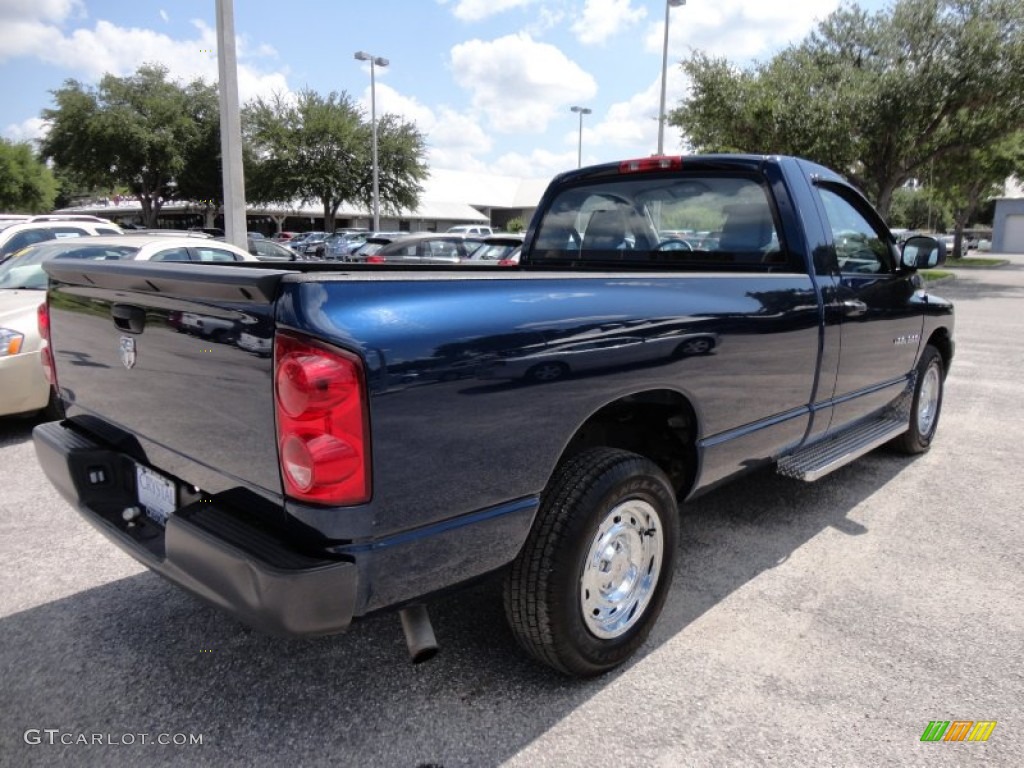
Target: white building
<point>448,198</point>
<point>1008,222</point>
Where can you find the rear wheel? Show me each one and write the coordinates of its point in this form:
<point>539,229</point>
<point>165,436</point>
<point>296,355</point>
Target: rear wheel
<point>593,576</point>
<point>926,406</point>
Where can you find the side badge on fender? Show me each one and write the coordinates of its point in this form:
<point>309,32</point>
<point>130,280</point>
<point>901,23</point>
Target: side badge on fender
<point>128,352</point>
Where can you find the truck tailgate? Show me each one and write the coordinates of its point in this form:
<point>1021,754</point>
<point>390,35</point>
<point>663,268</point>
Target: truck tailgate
<point>172,363</point>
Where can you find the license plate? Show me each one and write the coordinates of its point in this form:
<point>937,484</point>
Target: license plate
<point>157,495</point>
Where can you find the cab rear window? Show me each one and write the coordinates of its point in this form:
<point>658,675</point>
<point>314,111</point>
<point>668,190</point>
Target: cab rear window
<point>682,221</point>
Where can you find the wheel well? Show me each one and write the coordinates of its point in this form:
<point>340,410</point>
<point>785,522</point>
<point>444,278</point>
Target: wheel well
<point>941,341</point>
<point>658,424</point>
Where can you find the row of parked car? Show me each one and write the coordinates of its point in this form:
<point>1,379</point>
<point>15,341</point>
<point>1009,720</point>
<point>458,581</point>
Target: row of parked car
<point>474,245</point>
<point>26,242</point>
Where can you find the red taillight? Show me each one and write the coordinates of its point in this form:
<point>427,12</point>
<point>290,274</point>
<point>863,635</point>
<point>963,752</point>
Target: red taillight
<point>647,164</point>
<point>45,350</point>
<point>322,423</point>
<point>375,259</point>
<point>507,262</point>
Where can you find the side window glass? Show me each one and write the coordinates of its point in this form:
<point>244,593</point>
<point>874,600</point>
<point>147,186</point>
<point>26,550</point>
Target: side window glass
<point>860,248</point>
<point>173,254</point>
<point>214,254</point>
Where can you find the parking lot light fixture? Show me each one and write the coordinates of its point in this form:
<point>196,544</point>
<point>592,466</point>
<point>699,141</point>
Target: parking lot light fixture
<point>579,146</point>
<point>375,61</point>
<point>669,4</point>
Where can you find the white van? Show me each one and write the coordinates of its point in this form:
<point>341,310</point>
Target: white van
<point>471,229</point>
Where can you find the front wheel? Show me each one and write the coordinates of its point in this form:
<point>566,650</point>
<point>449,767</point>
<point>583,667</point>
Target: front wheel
<point>593,575</point>
<point>926,405</point>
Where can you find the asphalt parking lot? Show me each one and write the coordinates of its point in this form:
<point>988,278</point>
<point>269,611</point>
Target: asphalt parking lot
<point>809,625</point>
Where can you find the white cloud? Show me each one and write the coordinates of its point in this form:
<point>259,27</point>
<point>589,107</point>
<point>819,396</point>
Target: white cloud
<point>630,128</point>
<point>27,130</point>
<point>455,140</point>
<point>603,18</point>
<point>41,10</point>
<point>475,10</point>
<point>164,16</point>
<point>737,29</point>
<point>518,83</point>
<point>390,100</point>
<point>545,18</point>
<point>540,163</point>
<point>121,50</point>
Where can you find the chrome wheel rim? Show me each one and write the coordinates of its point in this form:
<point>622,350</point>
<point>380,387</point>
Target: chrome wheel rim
<point>697,347</point>
<point>928,400</point>
<point>548,372</point>
<point>622,567</point>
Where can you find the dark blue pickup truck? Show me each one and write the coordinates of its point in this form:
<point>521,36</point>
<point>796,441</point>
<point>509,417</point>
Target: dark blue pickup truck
<point>362,437</point>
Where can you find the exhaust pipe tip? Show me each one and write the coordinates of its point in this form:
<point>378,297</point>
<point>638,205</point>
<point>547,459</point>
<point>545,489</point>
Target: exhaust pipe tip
<point>419,633</point>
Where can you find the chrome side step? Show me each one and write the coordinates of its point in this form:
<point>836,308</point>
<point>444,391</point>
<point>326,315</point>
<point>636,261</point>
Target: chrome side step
<point>817,460</point>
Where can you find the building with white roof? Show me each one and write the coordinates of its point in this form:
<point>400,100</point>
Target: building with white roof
<point>448,198</point>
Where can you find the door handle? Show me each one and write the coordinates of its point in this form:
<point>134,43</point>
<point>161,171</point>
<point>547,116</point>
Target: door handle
<point>128,318</point>
<point>854,307</point>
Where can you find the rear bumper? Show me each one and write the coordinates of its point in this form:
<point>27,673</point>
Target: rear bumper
<point>206,549</point>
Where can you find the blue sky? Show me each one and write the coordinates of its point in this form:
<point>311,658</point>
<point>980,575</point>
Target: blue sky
<point>489,82</point>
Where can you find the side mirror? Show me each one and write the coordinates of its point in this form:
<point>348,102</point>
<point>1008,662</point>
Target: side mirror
<point>922,252</point>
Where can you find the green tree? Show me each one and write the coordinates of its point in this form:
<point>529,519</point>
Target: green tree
<point>401,167</point>
<point>201,179</point>
<point>307,148</point>
<point>965,180</point>
<point>878,96</point>
<point>26,184</point>
<point>143,132</point>
<point>919,209</point>
<point>319,149</point>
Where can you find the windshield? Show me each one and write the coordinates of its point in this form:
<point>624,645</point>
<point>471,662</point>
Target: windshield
<point>24,269</point>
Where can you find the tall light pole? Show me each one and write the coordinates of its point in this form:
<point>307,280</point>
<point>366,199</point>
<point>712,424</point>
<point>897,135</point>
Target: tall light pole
<point>375,61</point>
<point>669,4</point>
<point>235,228</point>
<point>579,146</point>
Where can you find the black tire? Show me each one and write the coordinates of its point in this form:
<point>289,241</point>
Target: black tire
<point>544,372</point>
<point>926,405</point>
<point>694,347</point>
<point>545,588</point>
